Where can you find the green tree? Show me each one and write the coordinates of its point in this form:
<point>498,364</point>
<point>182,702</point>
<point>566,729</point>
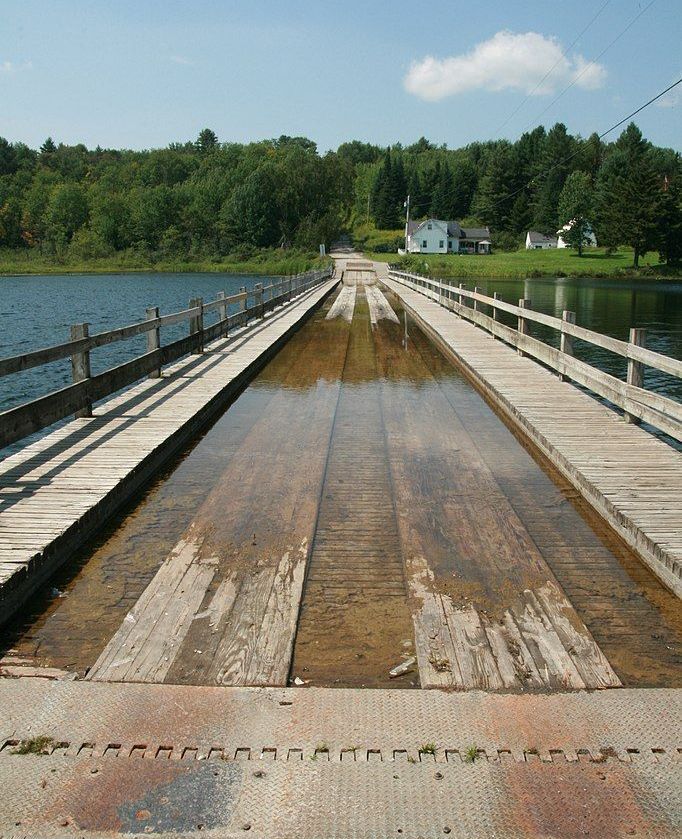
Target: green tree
<point>628,196</point>
<point>670,246</point>
<point>251,213</point>
<point>48,147</point>
<point>207,140</point>
<point>555,166</point>
<point>575,207</point>
<point>67,211</point>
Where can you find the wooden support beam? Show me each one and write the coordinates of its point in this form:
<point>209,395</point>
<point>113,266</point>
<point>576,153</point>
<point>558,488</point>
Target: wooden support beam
<point>153,338</point>
<point>523,327</point>
<point>222,311</point>
<point>80,365</point>
<point>566,340</point>
<point>635,369</point>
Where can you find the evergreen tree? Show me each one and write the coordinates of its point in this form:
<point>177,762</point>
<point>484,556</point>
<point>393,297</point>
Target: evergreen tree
<point>48,147</point>
<point>574,208</point>
<point>629,196</point>
<point>207,140</point>
<point>491,203</point>
<point>557,147</point>
<point>670,246</point>
<point>443,202</point>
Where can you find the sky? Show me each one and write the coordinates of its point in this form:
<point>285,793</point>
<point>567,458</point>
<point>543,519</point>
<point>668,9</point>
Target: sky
<point>144,73</point>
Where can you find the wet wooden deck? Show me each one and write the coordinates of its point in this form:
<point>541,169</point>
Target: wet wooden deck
<point>392,513</point>
<point>630,477</point>
<point>55,492</point>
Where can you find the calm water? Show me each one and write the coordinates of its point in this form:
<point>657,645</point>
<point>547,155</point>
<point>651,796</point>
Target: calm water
<point>610,307</point>
<point>38,311</point>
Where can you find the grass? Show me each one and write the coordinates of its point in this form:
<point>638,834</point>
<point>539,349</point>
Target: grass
<point>39,745</point>
<point>272,261</point>
<point>427,749</point>
<point>524,264</point>
<point>471,754</point>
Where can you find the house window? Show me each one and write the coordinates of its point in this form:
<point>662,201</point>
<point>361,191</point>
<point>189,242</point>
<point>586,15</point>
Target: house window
<point>430,226</point>
<point>424,243</point>
<point>441,243</point>
<point>449,244</point>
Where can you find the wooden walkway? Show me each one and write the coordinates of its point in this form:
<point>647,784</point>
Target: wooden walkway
<point>633,479</point>
<point>56,491</point>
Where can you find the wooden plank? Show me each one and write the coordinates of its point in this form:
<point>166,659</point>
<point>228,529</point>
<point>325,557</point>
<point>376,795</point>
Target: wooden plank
<point>613,474</point>
<point>86,469</point>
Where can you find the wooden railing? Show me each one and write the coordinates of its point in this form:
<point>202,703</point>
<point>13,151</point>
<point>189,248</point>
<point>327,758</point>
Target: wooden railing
<point>78,397</point>
<point>631,396</point>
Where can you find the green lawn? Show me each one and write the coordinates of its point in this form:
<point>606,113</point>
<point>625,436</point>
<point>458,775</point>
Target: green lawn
<point>595,262</point>
<point>271,261</point>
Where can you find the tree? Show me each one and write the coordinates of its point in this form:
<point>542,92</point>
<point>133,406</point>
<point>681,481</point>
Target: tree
<point>670,246</point>
<point>629,196</point>
<point>207,140</point>
<point>555,166</point>
<point>442,203</point>
<point>8,158</point>
<point>48,147</point>
<point>251,213</point>
<point>574,209</point>
<point>67,211</point>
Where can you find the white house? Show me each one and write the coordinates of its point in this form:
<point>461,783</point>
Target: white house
<point>590,238</point>
<point>539,242</point>
<point>436,236</point>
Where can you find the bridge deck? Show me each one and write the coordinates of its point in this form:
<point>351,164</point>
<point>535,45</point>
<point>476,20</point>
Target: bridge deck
<point>630,477</point>
<point>56,491</point>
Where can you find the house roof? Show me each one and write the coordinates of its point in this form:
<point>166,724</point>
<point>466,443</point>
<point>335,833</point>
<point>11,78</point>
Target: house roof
<point>455,230</point>
<point>536,238</point>
<point>475,232</point>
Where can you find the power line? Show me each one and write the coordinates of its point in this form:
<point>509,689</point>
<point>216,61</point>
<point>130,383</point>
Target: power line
<point>601,136</point>
<point>551,69</point>
<point>591,63</point>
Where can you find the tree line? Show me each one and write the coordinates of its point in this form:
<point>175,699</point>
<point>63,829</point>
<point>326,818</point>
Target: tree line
<point>628,191</point>
<point>207,198</point>
<point>193,199</point>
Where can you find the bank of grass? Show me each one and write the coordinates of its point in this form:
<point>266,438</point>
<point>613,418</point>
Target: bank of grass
<point>522,264</point>
<point>275,261</point>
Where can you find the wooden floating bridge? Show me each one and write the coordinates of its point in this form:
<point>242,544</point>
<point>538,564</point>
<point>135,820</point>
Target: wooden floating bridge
<point>239,606</point>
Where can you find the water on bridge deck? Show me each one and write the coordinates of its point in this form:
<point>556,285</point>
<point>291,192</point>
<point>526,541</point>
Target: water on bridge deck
<point>359,504</point>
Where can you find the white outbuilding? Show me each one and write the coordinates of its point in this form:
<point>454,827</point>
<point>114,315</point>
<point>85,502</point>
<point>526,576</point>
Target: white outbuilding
<point>539,242</point>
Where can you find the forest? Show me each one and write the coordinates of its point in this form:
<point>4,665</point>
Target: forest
<point>209,199</point>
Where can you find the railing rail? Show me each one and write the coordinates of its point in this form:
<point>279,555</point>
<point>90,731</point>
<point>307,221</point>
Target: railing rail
<point>638,403</point>
<point>77,398</point>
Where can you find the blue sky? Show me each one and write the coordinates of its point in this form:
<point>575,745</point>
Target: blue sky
<point>143,73</point>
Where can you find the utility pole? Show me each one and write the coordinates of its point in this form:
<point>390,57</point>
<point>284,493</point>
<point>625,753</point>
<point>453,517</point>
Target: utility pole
<point>407,219</point>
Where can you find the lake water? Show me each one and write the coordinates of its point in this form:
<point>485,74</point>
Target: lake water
<point>610,307</point>
<point>37,311</point>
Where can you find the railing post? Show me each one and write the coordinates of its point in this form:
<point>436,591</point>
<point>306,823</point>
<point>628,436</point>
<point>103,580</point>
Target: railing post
<point>243,304</point>
<point>258,290</point>
<point>566,340</point>
<point>80,365</point>
<point>289,289</point>
<point>523,326</point>
<point>459,296</point>
<point>477,290</point>
<point>196,323</point>
<point>153,339</point>
<point>635,369</point>
<point>496,316</point>
<point>222,313</point>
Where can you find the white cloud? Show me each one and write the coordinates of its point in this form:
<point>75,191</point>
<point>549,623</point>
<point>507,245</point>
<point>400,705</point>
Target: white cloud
<point>180,59</point>
<point>507,61</point>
